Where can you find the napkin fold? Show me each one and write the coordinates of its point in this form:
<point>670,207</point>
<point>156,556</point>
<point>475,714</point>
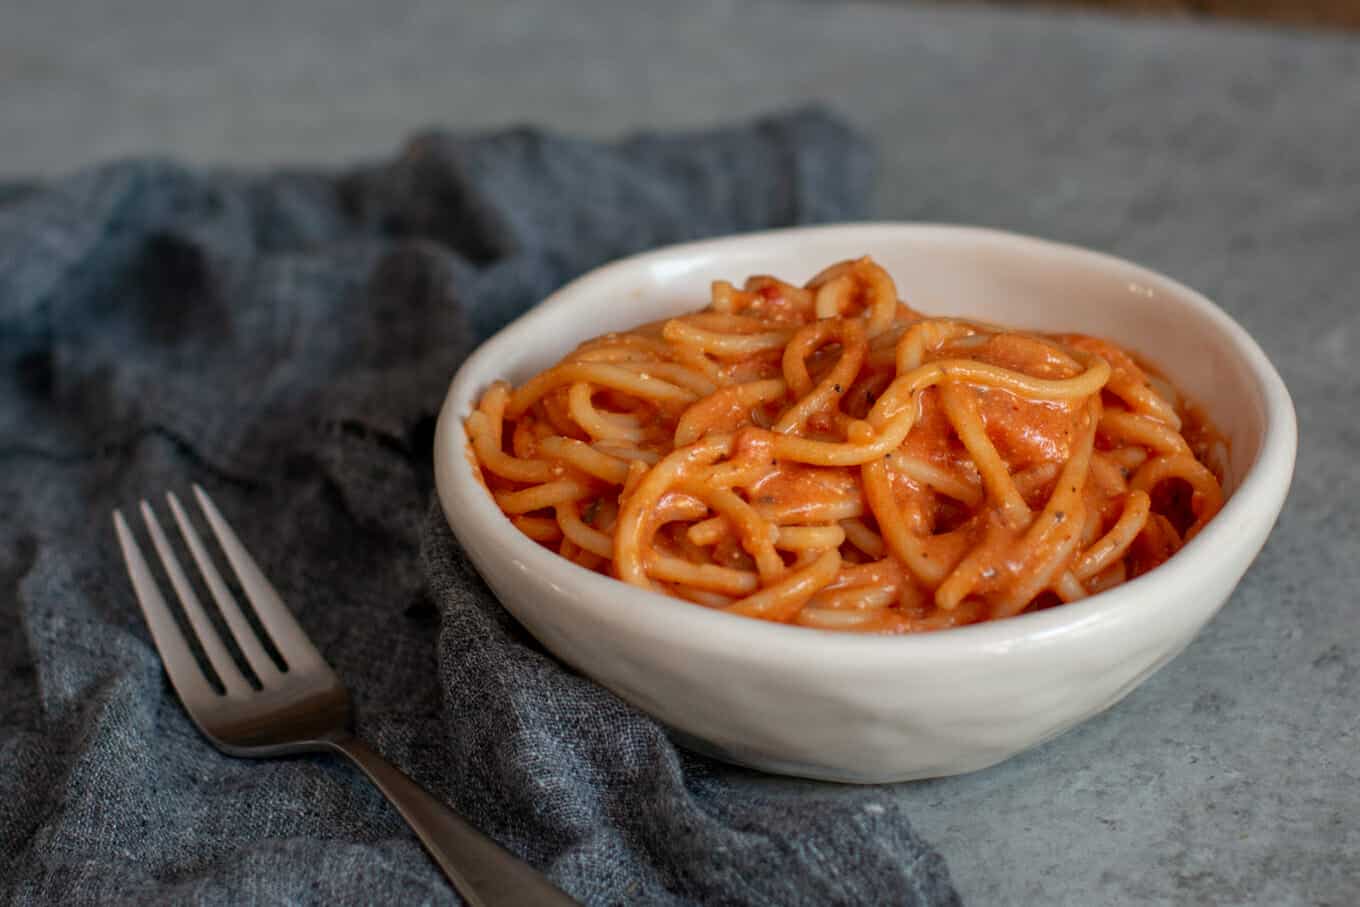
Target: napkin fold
<point>285,339</point>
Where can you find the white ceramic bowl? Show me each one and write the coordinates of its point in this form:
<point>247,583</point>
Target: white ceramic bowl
<point>867,708</point>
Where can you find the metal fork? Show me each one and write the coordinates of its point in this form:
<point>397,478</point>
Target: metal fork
<point>302,708</point>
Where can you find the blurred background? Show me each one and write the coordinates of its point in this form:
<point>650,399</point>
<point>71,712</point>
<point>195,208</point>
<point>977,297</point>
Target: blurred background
<point>1327,13</point>
<point>253,82</point>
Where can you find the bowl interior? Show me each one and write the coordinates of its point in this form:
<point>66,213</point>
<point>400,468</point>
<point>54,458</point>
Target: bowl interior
<point>1012,280</point>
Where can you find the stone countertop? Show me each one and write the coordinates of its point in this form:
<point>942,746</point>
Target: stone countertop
<point>1222,155</point>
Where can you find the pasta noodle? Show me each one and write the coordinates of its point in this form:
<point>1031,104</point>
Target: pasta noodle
<point>827,456</point>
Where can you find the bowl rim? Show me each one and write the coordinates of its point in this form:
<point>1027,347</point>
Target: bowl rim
<point>646,613</point>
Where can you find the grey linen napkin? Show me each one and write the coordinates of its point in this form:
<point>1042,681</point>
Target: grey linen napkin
<point>285,339</point>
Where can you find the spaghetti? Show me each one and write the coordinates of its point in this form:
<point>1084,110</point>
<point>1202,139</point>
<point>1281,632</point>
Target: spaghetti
<point>826,456</point>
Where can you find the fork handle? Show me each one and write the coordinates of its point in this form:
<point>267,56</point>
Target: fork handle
<point>483,872</point>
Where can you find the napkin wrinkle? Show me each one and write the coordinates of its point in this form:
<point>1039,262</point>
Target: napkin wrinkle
<point>286,340</point>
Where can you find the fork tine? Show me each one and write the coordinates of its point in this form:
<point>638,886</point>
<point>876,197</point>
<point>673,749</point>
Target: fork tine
<point>218,656</point>
<point>185,674</point>
<point>292,642</point>
<point>259,660</point>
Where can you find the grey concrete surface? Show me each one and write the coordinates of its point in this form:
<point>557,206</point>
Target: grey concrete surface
<point>1223,155</point>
